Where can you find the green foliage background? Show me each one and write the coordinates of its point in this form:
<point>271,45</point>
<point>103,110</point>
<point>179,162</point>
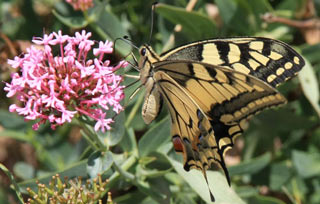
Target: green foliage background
<point>280,156</point>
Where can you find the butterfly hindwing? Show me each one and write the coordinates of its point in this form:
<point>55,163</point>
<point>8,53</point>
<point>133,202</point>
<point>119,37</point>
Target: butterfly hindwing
<point>271,61</point>
<point>209,107</point>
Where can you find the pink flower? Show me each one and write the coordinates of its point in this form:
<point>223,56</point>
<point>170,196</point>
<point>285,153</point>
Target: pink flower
<point>80,4</point>
<point>57,88</point>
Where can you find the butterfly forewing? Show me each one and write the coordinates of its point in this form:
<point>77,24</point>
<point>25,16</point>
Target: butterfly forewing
<point>270,60</point>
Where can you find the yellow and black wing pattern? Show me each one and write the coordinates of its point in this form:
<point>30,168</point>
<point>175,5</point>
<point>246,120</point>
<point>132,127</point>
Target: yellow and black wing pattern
<point>212,88</point>
<point>269,60</point>
<point>209,107</point>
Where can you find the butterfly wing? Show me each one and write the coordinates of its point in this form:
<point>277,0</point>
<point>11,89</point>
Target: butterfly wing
<point>269,60</point>
<point>209,107</point>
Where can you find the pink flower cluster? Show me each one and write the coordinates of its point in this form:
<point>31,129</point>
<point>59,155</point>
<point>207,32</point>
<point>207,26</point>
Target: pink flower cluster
<point>56,88</point>
<point>80,4</point>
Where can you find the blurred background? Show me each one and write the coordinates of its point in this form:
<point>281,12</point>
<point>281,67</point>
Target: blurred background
<point>277,160</point>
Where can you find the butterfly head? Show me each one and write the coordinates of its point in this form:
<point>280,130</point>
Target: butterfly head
<point>147,58</point>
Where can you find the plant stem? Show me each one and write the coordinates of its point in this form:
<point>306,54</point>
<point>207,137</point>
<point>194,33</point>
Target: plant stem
<point>116,175</point>
<point>15,185</point>
<point>134,111</point>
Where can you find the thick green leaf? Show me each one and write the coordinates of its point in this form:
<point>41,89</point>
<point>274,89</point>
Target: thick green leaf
<point>252,166</point>
<point>264,200</point>
<point>149,200</point>
<point>98,163</point>
<point>75,22</point>
<point>280,173</point>
<point>259,7</point>
<point>11,120</point>
<point>115,135</point>
<point>110,28</point>
<point>162,186</point>
<point>222,192</point>
<point>227,10</point>
<point>237,16</point>
<point>158,135</point>
<point>310,86</point>
<point>128,142</point>
<point>13,181</point>
<point>155,165</point>
<point>76,170</point>
<point>247,191</point>
<point>146,188</point>
<point>130,197</point>
<point>276,120</point>
<point>17,135</point>
<point>306,164</point>
<point>23,170</point>
<point>195,24</point>
<point>311,53</point>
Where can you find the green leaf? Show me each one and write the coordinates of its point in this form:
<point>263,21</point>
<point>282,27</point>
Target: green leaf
<point>128,142</point>
<point>156,136</point>
<point>98,163</point>
<point>306,164</point>
<point>23,170</point>
<point>236,15</point>
<point>310,52</point>
<point>11,120</point>
<point>264,200</point>
<point>227,9</point>
<point>259,7</point>
<point>146,188</point>
<point>13,181</point>
<point>217,182</point>
<point>195,24</point>
<point>115,135</point>
<point>76,170</point>
<point>275,120</point>
<point>155,165</point>
<point>17,135</point>
<point>310,86</point>
<point>75,22</point>
<point>252,166</point>
<point>280,173</point>
<point>109,27</point>
<point>160,185</point>
<point>132,197</point>
<point>247,191</point>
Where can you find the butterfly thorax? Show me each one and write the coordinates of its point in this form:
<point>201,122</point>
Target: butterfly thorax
<point>147,58</point>
<point>153,100</point>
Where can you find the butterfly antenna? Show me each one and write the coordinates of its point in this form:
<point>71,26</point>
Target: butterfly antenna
<point>132,83</point>
<point>134,93</point>
<point>152,20</point>
<point>129,42</point>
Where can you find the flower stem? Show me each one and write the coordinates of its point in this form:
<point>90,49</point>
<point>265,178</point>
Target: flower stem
<point>15,185</point>
<point>92,144</point>
<point>122,172</point>
<point>116,175</point>
<point>91,136</point>
<point>134,111</point>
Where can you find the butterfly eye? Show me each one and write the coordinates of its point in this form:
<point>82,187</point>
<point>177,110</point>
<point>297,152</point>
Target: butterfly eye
<point>143,52</point>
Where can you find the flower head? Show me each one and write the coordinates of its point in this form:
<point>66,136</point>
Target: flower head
<point>56,88</point>
<point>70,191</point>
<point>80,4</point>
